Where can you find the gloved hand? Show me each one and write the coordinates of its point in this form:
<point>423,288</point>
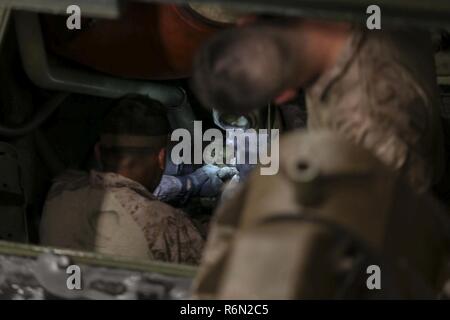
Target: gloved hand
<point>171,189</point>
<point>227,173</point>
<point>210,179</point>
<point>213,186</point>
<point>204,182</point>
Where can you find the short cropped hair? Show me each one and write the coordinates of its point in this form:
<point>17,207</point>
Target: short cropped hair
<point>132,115</point>
<point>240,71</point>
<point>136,115</point>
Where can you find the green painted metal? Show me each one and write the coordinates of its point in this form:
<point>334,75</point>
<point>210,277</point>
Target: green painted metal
<point>98,8</point>
<point>94,259</point>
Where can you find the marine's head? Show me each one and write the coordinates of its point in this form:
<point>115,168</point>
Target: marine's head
<point>264,60</point>
<point>133,140</point>
<point>239,71</point>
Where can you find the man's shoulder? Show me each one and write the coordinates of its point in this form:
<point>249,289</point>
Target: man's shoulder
<point>70,180</point>
<point>139,203</point>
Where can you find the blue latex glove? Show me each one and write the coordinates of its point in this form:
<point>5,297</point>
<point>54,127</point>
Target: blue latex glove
<point>204,182</point>
<point>208,180</point>
<point>170,189</point>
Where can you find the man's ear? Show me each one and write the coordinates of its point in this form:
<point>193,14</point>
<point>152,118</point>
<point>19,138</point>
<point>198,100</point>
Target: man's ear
<point>162,159</point>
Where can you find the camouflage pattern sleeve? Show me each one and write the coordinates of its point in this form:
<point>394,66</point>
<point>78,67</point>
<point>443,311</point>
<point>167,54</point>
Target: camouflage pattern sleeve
<point>174,239</point>
<point>171,235</point>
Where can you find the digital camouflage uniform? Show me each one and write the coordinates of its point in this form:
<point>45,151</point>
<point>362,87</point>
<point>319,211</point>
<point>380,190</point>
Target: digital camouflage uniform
<point>312,230</point>
<point>110,214</point>
<point>382,94</point>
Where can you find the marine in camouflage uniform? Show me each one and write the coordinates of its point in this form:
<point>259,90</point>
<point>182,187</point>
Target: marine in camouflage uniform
<point>111,214</point>
<point>370,93</point>
<point>382,94</point>
<point>376,88</point>
<point>115,211</point>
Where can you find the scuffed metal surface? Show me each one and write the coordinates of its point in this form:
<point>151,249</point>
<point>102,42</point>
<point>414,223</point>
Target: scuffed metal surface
<point>28,278</point>
<point>17,281</point>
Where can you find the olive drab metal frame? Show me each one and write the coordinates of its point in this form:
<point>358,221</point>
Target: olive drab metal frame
<point>35,272</point>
